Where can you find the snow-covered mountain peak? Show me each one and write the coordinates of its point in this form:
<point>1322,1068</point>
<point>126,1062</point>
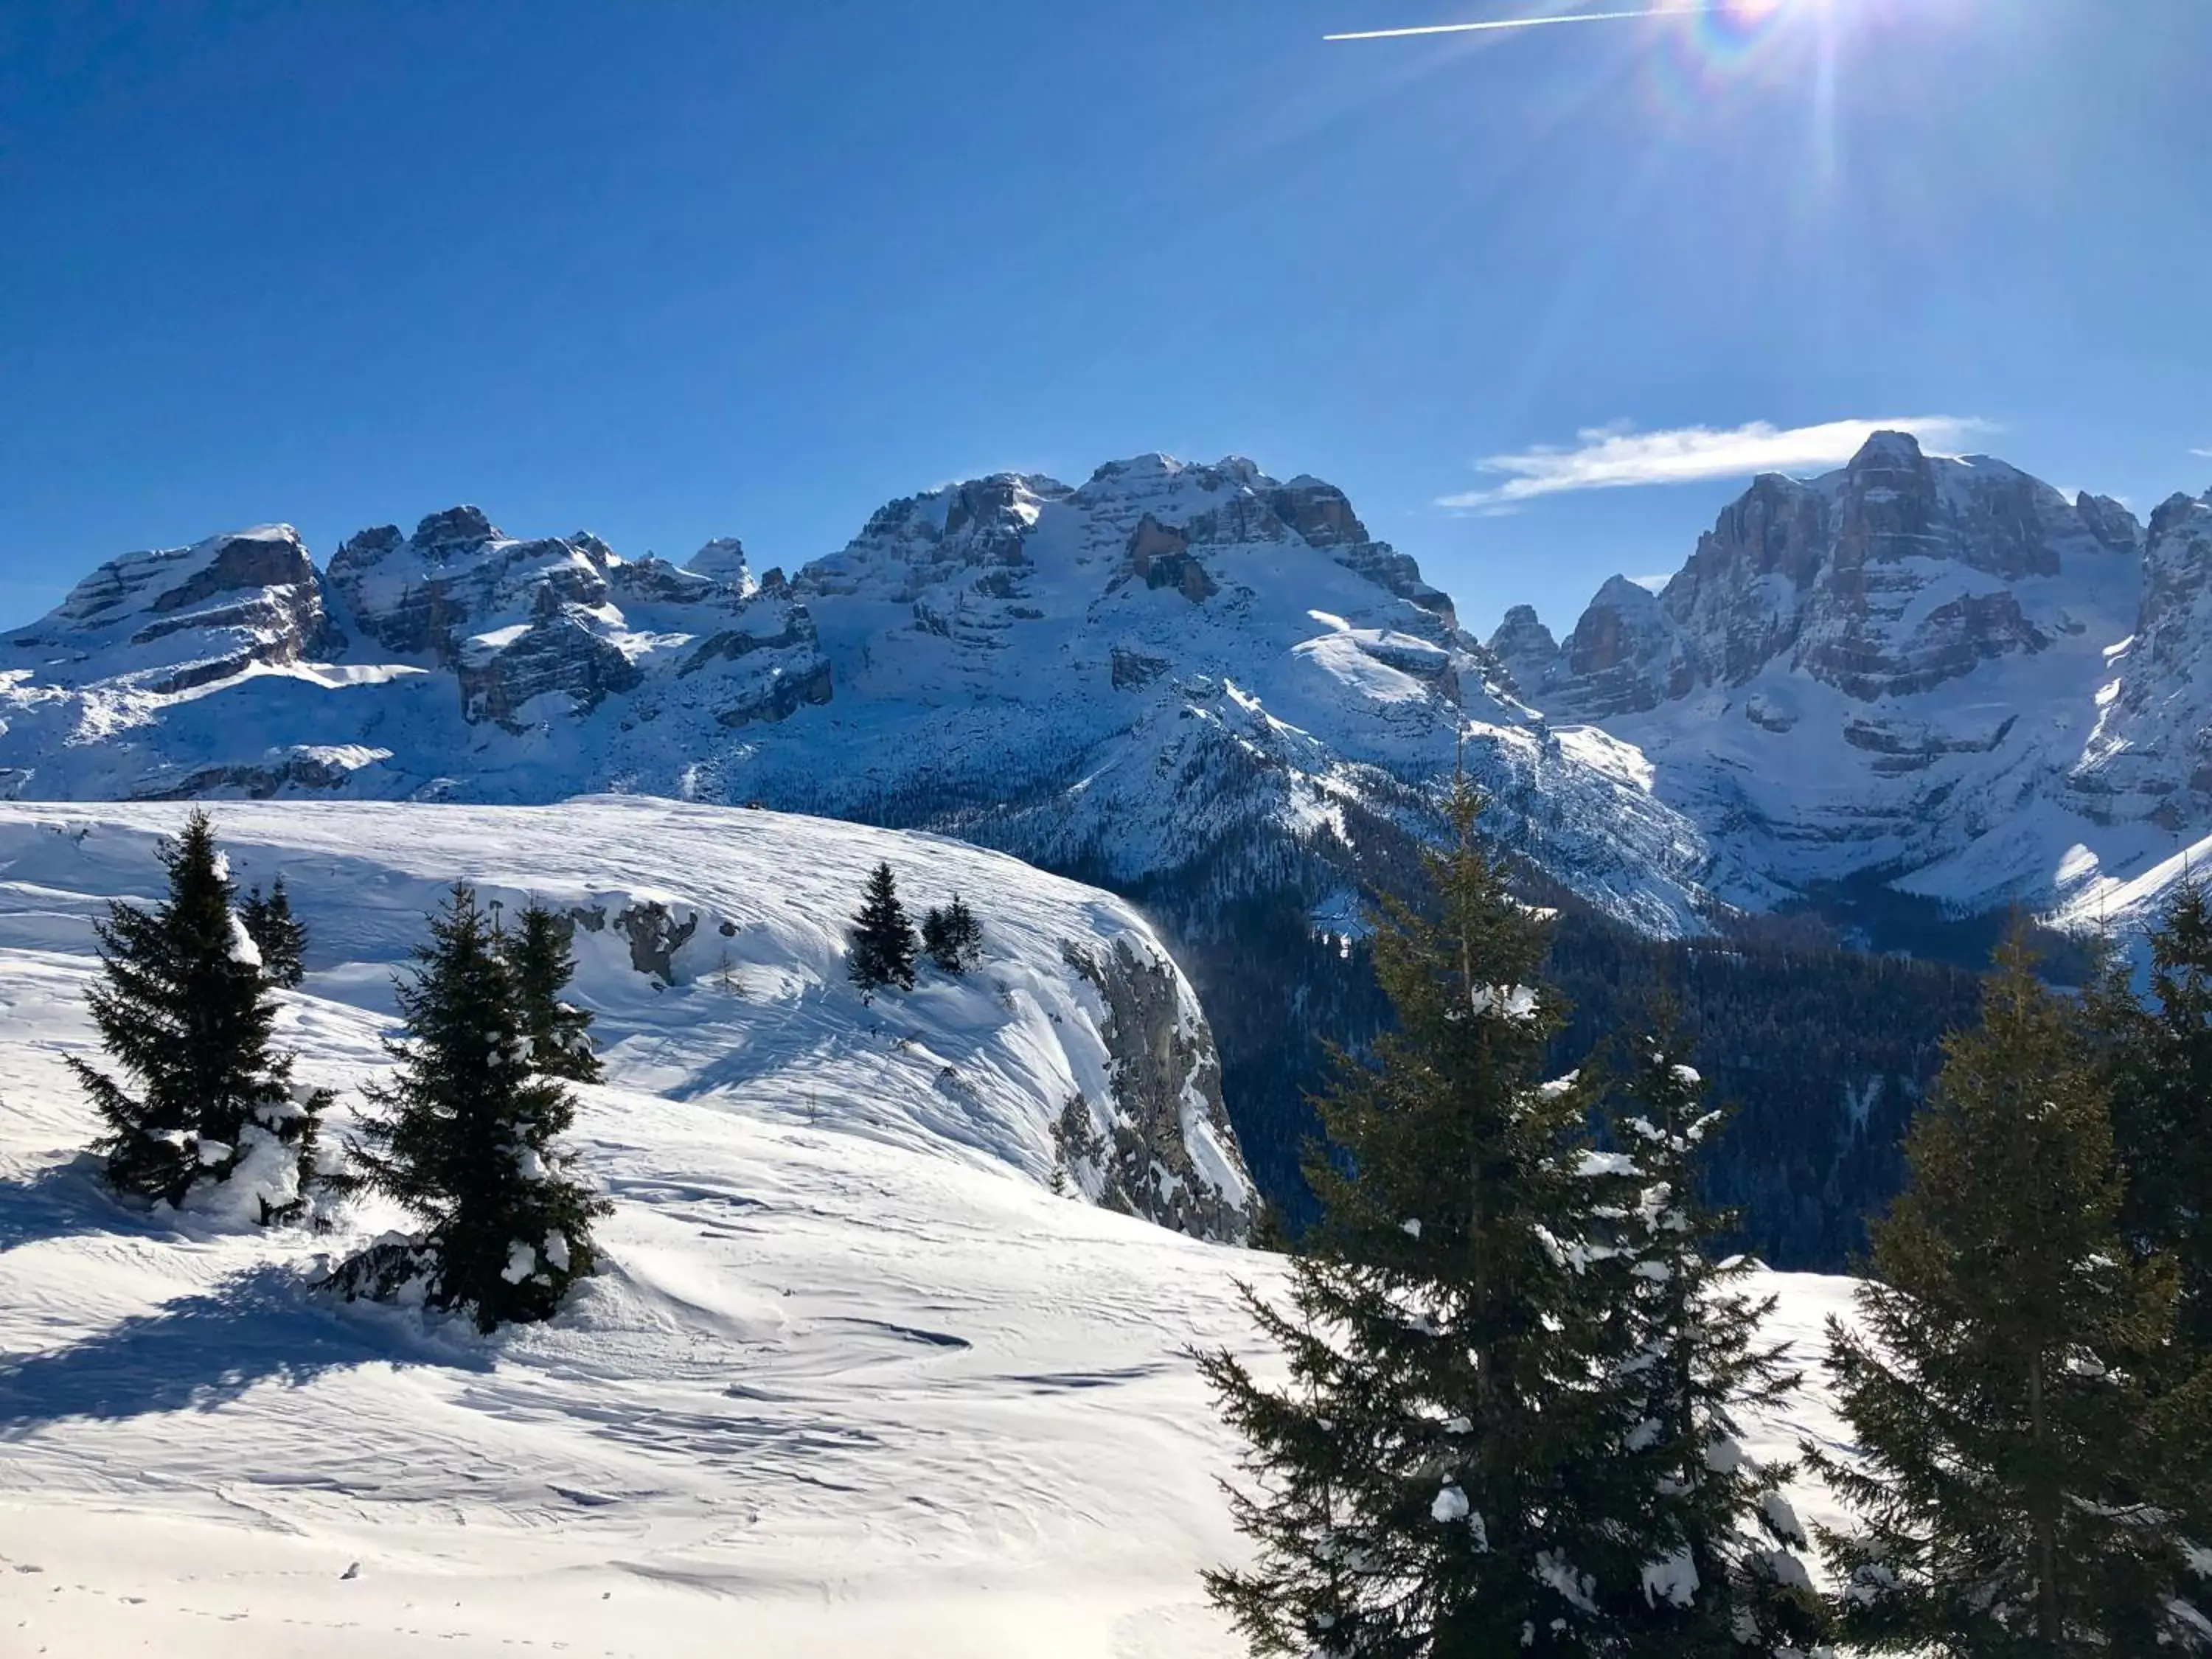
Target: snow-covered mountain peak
<point>1174,666</point>
<point>1916,663</point>
<point>168,621</point>
<point>723,560</point>
<point>1886,578</point>
<point>1524,647</point>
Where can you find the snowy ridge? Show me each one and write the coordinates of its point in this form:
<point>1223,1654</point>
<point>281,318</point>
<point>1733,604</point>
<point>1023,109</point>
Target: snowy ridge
<point>1170,666</point>
<point>1934,672</point>
<point>712,944</point>
<point>853,1381</point>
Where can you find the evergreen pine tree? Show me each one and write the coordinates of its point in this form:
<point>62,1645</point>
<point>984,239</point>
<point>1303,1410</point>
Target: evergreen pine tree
<point>1442,1476</point>
<point>884,943</point>
<point>2158,1064</point>
<point>465,1135</point>
<point>1723,1578</point>
<point>2007,1493</point>
<point>951,937</point>
<point>279,936</point>
<point>186,1015</point>
<point>537,952</point>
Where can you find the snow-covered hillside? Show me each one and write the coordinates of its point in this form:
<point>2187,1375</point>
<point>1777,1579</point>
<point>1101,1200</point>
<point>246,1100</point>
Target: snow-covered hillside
<point>712,943</point>
<point>854,1380</point>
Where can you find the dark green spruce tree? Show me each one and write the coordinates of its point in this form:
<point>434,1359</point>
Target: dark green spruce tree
<point>537,952</point>
<point>883,943</point>
<point>1724,1577</point>
<point>185,1013</point>
<point>951,937</point>
<point>465,1135</point>
<point>2158,1066</point>
<point>279,936</point>
<point>1441,1478</point>
<point>2013,1492</point>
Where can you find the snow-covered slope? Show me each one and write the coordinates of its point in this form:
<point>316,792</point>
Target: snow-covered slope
<point>854,1380</point>
<point>1170,667</point>
<point>712,943</point>
<point>1938,672</point>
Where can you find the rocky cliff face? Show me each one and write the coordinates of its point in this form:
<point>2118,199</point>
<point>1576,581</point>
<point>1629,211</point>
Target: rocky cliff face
<point>530,628</point>
<point>2150,756</point>
<point>161,622</point>
<point>1887,579</point>
<point>1907,666</point>
<point>1524,649</point>
<point>241,669</point>
<point>1154,1152</point>
<point>1625,655</point>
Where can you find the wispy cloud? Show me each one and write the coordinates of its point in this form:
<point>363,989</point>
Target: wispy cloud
<point>2206,453</point>
<point>1620,458</point>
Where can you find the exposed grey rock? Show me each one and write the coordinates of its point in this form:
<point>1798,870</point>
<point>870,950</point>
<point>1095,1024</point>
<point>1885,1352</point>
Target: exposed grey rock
<point>297,773</point>
<point>179,618</point>
<point>2151,756</point>
<point>1888,578</point>
<point>456,577</point>
<point>1131,669</point>
<point>1160,556</point>
<point>1525,649</point>
<point>649,928</point>
<point>1625,655</point>
<point>560,652</point>
<point>1165,1072</point>
<point>533,629</point>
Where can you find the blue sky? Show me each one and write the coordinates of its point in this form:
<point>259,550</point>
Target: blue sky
<point>668,271</point>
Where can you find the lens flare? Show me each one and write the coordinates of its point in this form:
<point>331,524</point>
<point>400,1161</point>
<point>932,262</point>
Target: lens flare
<point>1731,32</point>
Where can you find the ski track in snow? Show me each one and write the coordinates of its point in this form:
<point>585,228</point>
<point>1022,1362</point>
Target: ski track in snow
<point>845,1384</point>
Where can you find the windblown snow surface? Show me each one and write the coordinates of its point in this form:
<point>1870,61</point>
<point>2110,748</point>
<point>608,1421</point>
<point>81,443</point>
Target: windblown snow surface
<point>853,1379</point>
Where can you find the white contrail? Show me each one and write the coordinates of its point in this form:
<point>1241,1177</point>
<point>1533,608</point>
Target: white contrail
<point>1522,22</point>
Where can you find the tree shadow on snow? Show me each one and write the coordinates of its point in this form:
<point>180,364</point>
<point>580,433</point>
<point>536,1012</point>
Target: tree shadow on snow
<point>65,1200</point>
<point>194,1354</point>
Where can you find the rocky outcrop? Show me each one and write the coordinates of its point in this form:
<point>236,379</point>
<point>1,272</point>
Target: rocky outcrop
<point>306,770</point>
<point>1166,1109</point>
<point>457,577</point>
<point>536,629</point>
<point>1625,655</point>
<point>1160,556</point>
<point>559,655</point>
<point>2150,757</point>
<point>1525,649</point>
<point>1892,576</point>
<point>174,620</point>
<point>1742,596</point>
<point>1321,515</point>
<point>1894,611</point>
<point>723,560</point>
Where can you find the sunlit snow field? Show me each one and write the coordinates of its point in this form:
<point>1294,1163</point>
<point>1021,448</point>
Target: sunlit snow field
<point>853,1379</point>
